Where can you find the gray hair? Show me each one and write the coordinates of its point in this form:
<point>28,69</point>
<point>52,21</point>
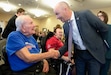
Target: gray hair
<point>20,20</point>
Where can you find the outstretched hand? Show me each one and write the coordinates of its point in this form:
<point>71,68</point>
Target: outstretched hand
<point>54,53</point>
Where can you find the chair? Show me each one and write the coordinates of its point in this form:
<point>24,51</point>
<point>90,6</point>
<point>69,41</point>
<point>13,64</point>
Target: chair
<point>2,44</point>
<point>4,66</point>
<point>109,73</point>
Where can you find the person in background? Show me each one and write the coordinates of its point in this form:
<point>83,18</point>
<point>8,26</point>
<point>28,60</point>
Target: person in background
<point>0,32</point>
<point>36,35</point>
<point>42,38</point>
<point>105,67</point>
<point>88,34</point>
<point>58,25</point>
<point>48,36</point>
<point>11,23</point>
<point>22,49</point>
<point>55,42</point>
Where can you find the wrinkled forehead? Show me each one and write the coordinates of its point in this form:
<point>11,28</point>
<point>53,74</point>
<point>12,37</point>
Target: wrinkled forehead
<point>57,7</point>
<point>57,11</point>
<point>28,20</point>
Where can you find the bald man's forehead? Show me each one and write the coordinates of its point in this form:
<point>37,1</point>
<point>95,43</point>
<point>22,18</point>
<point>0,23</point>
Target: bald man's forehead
<point>56,9</point>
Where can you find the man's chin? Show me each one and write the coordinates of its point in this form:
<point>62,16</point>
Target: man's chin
<point>33,33</point>
<point>63,21</point>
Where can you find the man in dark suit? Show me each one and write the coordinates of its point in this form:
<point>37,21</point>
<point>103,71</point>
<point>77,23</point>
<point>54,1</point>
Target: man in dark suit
<point>11,23</point>
<point>88,34</point>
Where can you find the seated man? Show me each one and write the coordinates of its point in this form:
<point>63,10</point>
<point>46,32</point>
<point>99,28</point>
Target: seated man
<point>23,51</point>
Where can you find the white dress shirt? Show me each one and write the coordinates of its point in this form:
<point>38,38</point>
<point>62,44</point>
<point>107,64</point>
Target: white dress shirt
<point>76,35</point>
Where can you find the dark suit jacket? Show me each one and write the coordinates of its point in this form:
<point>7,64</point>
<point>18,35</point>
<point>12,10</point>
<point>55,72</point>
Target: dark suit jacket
<point>108,53</point>
<point>92,31</point>
<point>9,27</point>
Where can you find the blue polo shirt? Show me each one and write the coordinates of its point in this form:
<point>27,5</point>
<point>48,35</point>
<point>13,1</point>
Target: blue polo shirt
<point>16,41</point>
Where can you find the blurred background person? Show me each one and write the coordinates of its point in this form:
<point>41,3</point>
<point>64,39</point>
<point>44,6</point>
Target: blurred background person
<point>105,67</point>
<point>48,36</point>
<point>11,23</point>
<point>42,38</point>
<point>36,35</point>
<point>1,32</point>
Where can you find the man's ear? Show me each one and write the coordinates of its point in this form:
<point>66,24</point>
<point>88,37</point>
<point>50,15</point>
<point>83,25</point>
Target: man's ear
<point>23,28</point>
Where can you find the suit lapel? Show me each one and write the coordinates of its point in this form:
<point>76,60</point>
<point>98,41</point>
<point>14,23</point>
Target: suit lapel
<point>77,18</point>
<point>66,28</point>
<point>78,22</point>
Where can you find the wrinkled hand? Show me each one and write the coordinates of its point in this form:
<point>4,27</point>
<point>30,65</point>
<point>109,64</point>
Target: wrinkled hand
<point>73,62</point>
<point>54,53</point>
<point>66,58</point>
<point>45,66</point>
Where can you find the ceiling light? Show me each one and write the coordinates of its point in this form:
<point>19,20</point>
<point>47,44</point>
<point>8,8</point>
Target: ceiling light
<point>6,7</point>
<point>19,4</point>
<point>38,12</point>
<point>36,0</point>
<point>51,3</point>
<point>79,0</point>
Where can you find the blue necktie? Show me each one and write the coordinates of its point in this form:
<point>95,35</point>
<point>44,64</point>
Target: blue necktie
<point>70,40</point>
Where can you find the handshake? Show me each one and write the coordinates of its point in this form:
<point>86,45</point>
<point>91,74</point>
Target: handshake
<point>54,53</point>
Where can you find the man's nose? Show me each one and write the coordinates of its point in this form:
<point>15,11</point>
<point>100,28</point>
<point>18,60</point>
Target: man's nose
<point>57,17</point>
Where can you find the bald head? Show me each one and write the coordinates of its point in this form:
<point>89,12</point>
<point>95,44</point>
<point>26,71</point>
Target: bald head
<point>25,25</point>
<point>20,20</point>
<point>62,11</point>
<point>62,5</point>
